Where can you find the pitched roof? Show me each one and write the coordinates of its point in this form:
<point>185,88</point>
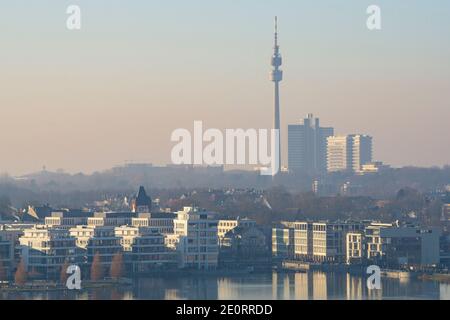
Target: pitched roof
<point>142,198</point>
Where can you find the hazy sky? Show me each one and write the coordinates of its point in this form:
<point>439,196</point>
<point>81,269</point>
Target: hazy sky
<point>115,90</point>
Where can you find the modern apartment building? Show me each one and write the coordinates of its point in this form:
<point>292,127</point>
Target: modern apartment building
<point>111,219</point>
<point>307,146</point>
<point>283,243</point>
<point>198,240</point>
<point>355,247</point>
<point>374,247</point>
<point>312,241</point>
<point>329,240</point>
<point>6,253</point>
<point>144,249</point>
<point>411,246</point>
<point>303,237</point>
<point>171,241</point>
<point>101,240</point>
<point>10,251</point>
<point>394,246</point>
<point>66,220</point>
<point>162,221</point>
<point>45,250</point>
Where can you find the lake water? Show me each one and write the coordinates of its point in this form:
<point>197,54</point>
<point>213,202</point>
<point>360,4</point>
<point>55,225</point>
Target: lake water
<point>260,286</point>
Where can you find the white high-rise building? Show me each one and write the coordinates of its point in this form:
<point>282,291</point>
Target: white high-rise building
<point>337,153</point>
<point>348,153</point>
<point>198,241</point>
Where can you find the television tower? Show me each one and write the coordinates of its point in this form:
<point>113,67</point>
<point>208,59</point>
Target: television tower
<point>276,76</point>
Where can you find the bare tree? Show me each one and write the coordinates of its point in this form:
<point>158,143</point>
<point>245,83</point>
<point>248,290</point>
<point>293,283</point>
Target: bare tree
<point>117,267</point>
<point>96,268</point>
<point>21,275</point>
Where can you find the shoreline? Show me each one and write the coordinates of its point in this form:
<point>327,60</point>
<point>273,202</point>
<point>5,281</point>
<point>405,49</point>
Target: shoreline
<point>126,282</point>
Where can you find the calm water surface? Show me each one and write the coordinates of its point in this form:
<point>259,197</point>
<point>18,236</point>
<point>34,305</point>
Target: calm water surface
<point>299,286</point>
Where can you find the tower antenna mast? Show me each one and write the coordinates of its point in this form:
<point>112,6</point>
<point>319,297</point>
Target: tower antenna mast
<point>276,76</point>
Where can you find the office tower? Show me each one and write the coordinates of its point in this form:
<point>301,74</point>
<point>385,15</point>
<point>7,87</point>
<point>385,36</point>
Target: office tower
<point>361,151</point>
<point>337,153</point>
<point>276,75</point>
<point>307,146</point>
<point>348,153</point>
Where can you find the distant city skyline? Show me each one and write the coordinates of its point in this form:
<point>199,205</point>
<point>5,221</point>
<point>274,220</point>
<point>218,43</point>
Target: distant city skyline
<point>113,92</point>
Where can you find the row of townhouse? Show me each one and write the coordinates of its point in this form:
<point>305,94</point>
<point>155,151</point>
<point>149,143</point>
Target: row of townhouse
<point>386,244</point>
<point>312,241</point>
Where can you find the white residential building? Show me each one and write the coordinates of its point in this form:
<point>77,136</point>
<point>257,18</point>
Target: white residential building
<point>198,241</point>
<point>394,246</point>
<point>100,240</point>
<point>162,221</point>
<point>144,248</point>
<point>63,220</point>
<point>355,247</point>
<point>375,249</point>
<point>45,250</point>
<point>9,254</point>
<point>329,240</point>
<point>112,219</point>
<point>283,244</point>
<point>303,240</point>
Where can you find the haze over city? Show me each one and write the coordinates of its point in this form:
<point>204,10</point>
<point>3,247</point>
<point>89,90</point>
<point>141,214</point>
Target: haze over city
<point>115,90</point>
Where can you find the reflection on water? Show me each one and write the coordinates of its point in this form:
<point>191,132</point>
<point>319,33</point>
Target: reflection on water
<point>297,286</point>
